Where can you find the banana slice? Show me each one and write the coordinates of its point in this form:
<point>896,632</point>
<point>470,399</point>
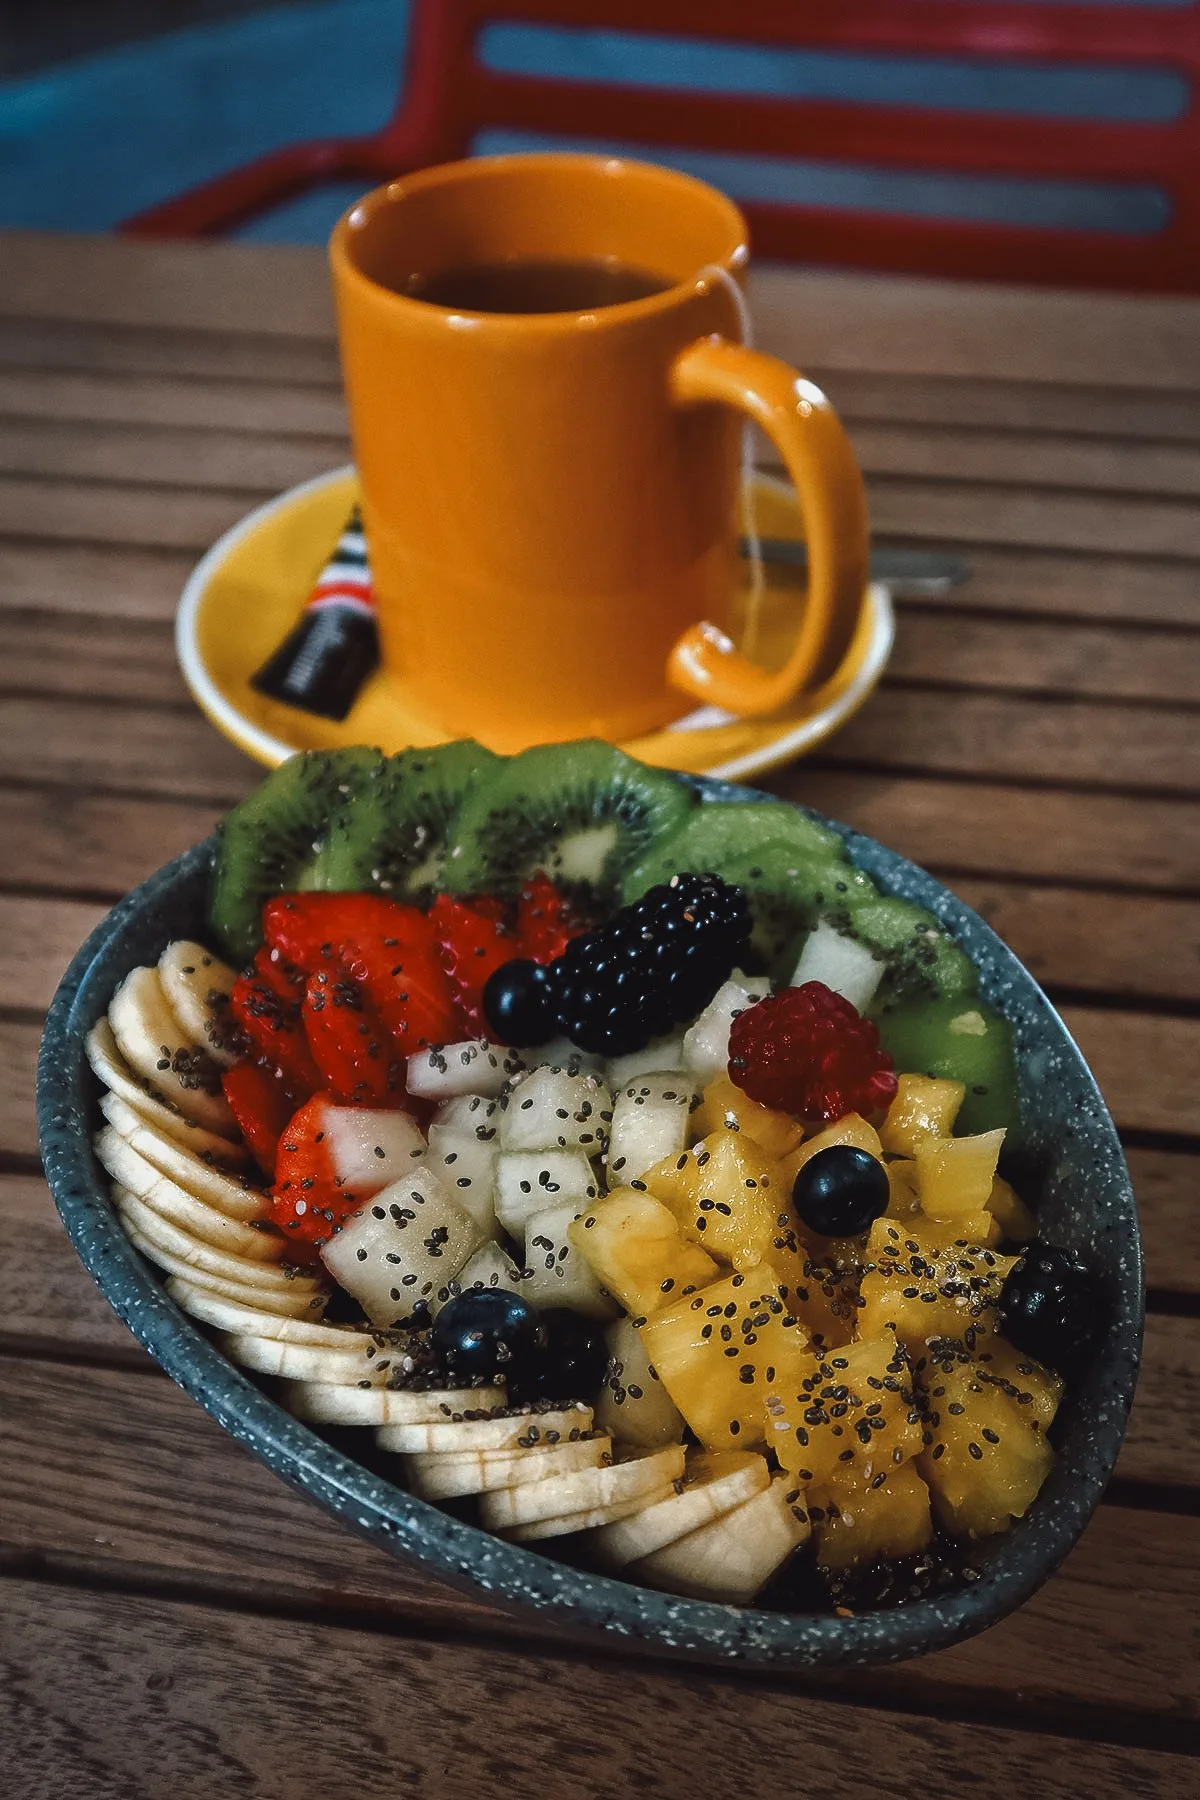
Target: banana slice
<point>111,1068</point>
<point>585,1491</point>
<point>197,986</point>
<point>735,1477</point>
<point>321,1404</point>
<point>596,1517</point>
<point>193,1253</point>
<point>273,1303</point>
<point>230,1194</point>
<point>732,1558</point>
<point>446,1475</point>
<point>360,1364</point>
<point>252,1310</point>
<point>150,1040</point>
<point>507,1431</point>
<point>171,1201</point>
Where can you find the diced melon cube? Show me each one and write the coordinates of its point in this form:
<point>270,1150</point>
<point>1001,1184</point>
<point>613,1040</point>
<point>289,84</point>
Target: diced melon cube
<point>633,1404</point>
<point>551,1109</point>
<point>467,1165</point>
<point>725,1107</point>
<point>855,1413</point>
<point>706,1042</point>
<point>861,1520</point>
<point>528,1181</point>
<point>555,1273</point>
<point>664,1053</point>
<point>633,1244</point>
<point>490,1267</point>
<point>473,1067</point>
<point>844,964</point>
<point>649,1122</point>
<point>404,1244</point>
<point>955,1175</point>
<point>923,1108</point>
<point>726,1193</point>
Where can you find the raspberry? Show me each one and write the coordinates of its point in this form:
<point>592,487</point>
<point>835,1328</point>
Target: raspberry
<point>806,1051</point>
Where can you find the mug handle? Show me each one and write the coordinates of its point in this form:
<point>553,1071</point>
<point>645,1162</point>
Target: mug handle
<point>802,424</point>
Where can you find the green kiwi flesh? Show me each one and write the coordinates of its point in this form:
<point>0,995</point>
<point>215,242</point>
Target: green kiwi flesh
<point>923,961</point>
<point>958,1039</point>
<point>713,837</point>
<point>276,840</point>
<point>404,822</point>
<point>583,812</point>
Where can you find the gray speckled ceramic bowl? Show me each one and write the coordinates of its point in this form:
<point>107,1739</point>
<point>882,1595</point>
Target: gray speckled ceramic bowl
<point>1077,1176</point>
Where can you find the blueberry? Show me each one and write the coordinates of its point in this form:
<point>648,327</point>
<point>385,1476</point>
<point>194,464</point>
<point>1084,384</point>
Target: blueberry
<point>839,1192</point>
<point>516,1003</point>
<point>572,1365</point>
<point>488,1332</point>
<point>1048,1306</point>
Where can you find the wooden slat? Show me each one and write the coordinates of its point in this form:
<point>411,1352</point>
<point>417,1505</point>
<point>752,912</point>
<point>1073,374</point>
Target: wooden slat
<point>18,1064</point>
<point>206,1509</point>
<point>282,408</point>
<point>164,456</point>
<point>134,1697</point>
<point>94,843</point>
<point>1160,1446</point>
<point>1080,584</point>
<point>80,742</point>
<point>38,938</point>
<point>1165,1182</point>
<point>91,581</point>
<point>1043,460</point>
<point>68,653</point>
<point>55,1308</point>
<point>1146,1067</point>
<point>43,345</point>
<point>1052,658</point>
<point>102,513</point>
<point>907,507</point>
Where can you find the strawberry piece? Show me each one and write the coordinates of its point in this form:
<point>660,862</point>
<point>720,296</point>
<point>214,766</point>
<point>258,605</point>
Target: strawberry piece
<point>359,1062</point>
<point>545,923</point>
<point>407,986</point>
<point>808,1052</point>
<point>472,941</point>
<point>308,1201</point>
<point>309,929</point>
<point>265,1002</point>
<point>262,1104</point>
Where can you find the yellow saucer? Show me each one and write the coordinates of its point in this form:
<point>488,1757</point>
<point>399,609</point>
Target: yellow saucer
<point>246,594</point>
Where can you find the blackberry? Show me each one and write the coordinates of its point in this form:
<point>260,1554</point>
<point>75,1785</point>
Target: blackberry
<point>654,965</point>
<point>1049,1307</point>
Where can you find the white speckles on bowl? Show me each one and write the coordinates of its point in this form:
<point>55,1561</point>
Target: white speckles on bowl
<point>1076,1174</point>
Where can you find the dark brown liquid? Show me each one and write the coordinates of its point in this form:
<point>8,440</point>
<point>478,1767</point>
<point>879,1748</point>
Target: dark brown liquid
<point>542,285</point>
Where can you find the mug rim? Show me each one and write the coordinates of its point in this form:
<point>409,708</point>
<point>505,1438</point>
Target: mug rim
<point>489,168</point>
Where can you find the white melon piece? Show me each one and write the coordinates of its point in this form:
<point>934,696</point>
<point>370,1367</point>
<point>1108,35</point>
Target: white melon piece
<point>551,1109</point>
<point>562,1495</point>
<point>527,1181</point>
<point>561,1053</point>
<point>322,1403</point>
<point>633,1404</point>
<point>150,1039</point>
<point>518,1429</point>
<point>664,1053</point>
<point>757,986</point>
<point>490,1267</point>
<point>475,1113</point>
<point>250,1315</point>
<point>706,1042</point>
<point>175,1201</point>
<point>555,1273</point>
<point>443,1475</point>
<point>842,963</point>
<point>359,1364</point>
<point>110,1067</point>
<point>732,1558</point>
<point>197,985</point>
<point>467,1166</point>
<point>196,1253</point>
<point>230,1194</point>
<point>473,1067</point>
<point>717,1484</point>
<point>369,1150</point>
<point>649,1122</point>
<point>401,1247</point>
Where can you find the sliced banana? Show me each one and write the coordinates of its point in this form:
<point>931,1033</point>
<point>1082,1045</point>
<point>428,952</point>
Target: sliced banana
<point>736,1477</point>
<point>584,1491</point>
<point>447,1476</point>
<point>111,1068</point>
<point>219,1290</point>
<point>173,1202</point>
<point>321,1404</point>
<point>197,986</point>
<point>567,1524</point>
<point>508,1431</point>
<point>249,1311</point>
<point>359,1364</point>
<point>731,1558</point>
<point>230,1194</point>
<point>194,1253</point>
<point>152,1043</point>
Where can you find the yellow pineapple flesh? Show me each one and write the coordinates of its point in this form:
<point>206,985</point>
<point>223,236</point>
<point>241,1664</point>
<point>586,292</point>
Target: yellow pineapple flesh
<point>955,1175</point>
<point>725,1107</point>
<point>717,1352</point>
<point>857,1521</point>
<point>633,1246</point>
<point>989,1453</point>
<point>1011,1213</point>
<point>819,1296</point>
<point>928,1290</point>
<point>727,1194</point>
<point>855,1414</point>
<point>923,1108</point>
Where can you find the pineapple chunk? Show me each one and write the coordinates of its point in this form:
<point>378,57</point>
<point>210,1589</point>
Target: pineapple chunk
<point>853,1129</point>
<point>865,1519</point>
<point>634,1247</point>
<point>1011,1213</point>
<point>927,1291</point>
<point>725,1107</point>
<point>726,1192</point>
<point>853,1416</point>
<point>955,1175</point>
<point>923,1108</point>
<point>961,1231</point>
<point>717,1352</point>
<point>989,1455</point>
<point>1035,1389</point>
<point>819,1297</point>
<point>905,1198</point>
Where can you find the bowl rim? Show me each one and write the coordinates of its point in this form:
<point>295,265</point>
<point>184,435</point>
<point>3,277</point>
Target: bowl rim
<point>571,1600</point>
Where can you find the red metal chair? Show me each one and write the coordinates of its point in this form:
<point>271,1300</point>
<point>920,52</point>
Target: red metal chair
<point>451,97</point>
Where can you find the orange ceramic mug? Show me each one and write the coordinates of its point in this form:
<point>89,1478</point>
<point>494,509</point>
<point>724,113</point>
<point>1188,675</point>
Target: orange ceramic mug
<point>551,498</point>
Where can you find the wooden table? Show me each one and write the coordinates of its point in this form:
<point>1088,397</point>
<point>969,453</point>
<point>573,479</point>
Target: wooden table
<point>175,1621</point>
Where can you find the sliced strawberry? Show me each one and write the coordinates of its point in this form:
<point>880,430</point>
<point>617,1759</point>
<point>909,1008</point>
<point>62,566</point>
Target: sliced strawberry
<point>262,1104</point>
<point>308,1201</point>
<point>407,986</point>
<point>308,929</point>
<point>266,1003</point>
<point>358,1059</point>
<point>545,922</point>
<point>472,940</point>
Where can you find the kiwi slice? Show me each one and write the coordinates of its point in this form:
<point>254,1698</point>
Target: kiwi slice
<point>276,840</point>
<point>584,812</point>
<point>923,961</point>
<point>715,836</point>
<point>958,1040</point>
<point>398,833</point>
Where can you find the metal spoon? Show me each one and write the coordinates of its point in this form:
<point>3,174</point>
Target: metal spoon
<point>913,574</point>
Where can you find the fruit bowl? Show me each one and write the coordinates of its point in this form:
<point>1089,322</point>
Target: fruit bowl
<point>1071,1166</point>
